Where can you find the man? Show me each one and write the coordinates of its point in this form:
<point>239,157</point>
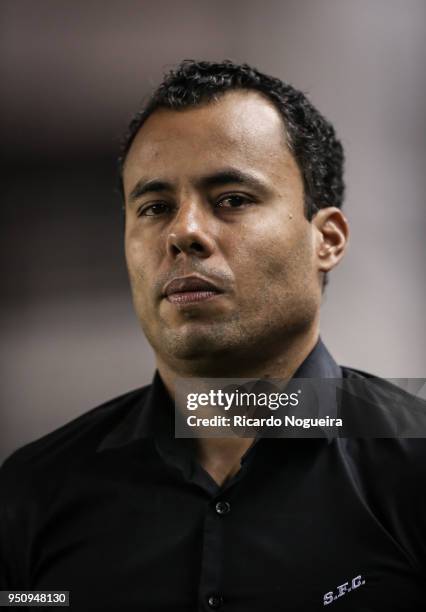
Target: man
<point>232,184</point>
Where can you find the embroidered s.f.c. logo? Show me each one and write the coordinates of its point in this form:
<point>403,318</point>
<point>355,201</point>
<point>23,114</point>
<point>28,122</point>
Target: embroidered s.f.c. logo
<point>343,589</point>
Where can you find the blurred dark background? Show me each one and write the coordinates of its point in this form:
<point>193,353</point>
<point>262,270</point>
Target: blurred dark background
<point>73,73</point>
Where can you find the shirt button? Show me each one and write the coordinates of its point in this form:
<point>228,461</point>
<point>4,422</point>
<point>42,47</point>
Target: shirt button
<point>215,601</point>
<point>223,507</point>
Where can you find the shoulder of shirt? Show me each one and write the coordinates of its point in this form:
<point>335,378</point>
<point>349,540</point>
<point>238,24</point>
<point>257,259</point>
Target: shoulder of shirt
<point>409,409</point>
<point>69,445</point>
<point>382,387</point>
<point>390,472</point>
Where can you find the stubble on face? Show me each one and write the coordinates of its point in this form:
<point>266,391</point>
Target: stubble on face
<point>263,255</point>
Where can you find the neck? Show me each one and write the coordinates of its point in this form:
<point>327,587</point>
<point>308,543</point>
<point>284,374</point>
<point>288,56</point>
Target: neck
<point>280,364</point>
<point>221,457</point>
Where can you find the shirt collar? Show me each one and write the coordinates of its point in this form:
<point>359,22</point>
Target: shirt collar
<point>318,364</point>
<point>152,412</point>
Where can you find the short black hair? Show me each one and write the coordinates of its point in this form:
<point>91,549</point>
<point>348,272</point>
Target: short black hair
<point>310,137</point>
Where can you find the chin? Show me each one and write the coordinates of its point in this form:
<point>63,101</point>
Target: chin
<point>196,344</point>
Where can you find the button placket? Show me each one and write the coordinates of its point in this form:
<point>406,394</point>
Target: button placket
<point>222,507</point>
<point>215,602</point>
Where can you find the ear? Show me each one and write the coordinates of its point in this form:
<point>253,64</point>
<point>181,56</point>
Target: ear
<point>331,237</point>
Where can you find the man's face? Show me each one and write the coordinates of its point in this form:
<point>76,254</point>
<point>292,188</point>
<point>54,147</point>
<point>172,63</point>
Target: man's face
<point>214,191</point>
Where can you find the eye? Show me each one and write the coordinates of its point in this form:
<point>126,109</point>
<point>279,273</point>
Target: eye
<point>153,210</point>
<point>233,201</point>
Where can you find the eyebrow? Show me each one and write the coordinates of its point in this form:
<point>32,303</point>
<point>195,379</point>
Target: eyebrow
<point>231,176</point>
<point>144,186</point>
<point>220,178</point>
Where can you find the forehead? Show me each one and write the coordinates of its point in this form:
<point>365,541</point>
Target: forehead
<point>241,128</point>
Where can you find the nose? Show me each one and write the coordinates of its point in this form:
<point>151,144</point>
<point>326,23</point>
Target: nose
<point>191,230</point>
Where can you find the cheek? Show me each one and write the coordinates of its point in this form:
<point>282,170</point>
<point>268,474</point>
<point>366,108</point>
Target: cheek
<point>288,262</point>
<point>277,255</point>
<point>134,258</point>
<point>137,261</point>
<point>138,250</point>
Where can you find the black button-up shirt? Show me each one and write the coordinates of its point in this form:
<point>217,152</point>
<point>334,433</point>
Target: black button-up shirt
<point>116,510</point>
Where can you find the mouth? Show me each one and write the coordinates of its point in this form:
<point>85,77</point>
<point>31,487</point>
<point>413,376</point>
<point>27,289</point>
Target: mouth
<point>190,290</point>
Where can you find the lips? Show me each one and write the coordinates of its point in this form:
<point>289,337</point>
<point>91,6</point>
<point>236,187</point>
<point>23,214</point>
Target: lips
<point>189,283</point>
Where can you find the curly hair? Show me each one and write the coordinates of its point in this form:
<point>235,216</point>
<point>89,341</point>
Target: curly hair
<point>310,137</point>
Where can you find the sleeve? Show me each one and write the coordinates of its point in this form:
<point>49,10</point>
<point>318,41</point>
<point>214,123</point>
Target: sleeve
<point>12,528</point>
